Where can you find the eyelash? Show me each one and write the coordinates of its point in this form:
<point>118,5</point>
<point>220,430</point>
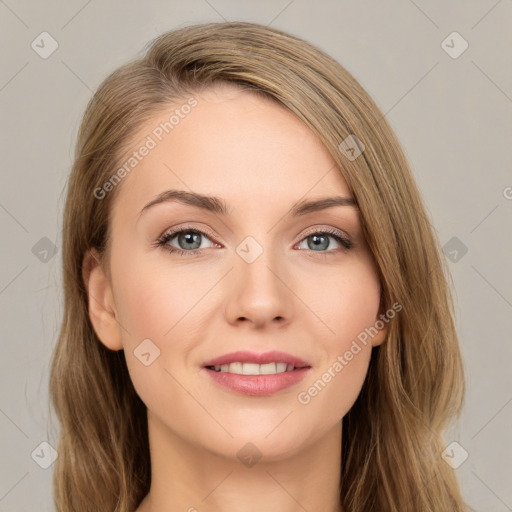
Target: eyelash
<point>162,242</point>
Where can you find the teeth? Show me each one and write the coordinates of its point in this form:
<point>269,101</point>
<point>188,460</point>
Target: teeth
<point>251,369</point>
<point>268,369</point>
<point>281,367</point>
<point>234,368</point>
<point>255,369</point>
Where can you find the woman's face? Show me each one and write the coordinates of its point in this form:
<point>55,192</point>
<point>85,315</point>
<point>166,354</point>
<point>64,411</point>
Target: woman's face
<point>267,278</point>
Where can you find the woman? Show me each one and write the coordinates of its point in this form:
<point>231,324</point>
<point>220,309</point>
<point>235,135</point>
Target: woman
<point>257,314</point>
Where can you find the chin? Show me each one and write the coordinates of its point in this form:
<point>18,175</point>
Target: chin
<point>258,444</point>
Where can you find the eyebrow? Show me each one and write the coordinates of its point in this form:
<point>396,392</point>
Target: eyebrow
<point>217,205</point>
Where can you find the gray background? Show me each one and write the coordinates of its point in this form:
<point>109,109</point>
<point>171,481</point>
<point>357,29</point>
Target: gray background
<point>452,116</point>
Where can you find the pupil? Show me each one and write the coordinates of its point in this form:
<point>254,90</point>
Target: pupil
<point>317,241</point>
<point>191,238</point>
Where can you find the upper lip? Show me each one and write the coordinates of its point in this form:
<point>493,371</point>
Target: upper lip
<point>245,356</point>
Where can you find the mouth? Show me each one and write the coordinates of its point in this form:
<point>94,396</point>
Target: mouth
<point>251,373</point>
<point>244,368</point>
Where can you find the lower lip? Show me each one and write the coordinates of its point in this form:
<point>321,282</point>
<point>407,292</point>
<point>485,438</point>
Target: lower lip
<point>258,385</point>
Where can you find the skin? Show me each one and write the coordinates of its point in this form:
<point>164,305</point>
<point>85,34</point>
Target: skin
<point>310,303</point>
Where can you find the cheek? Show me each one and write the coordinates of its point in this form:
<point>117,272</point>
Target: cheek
<point>158,302</point>
<point>349,306</point>
<point>151,308</point>
<point>332,391</point>
<point>144,308</point>
<point>154,296</point>
<point>347,301</point>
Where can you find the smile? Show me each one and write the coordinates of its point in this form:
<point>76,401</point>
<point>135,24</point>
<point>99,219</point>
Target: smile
<point>255,373</point>
<point>240,368</point>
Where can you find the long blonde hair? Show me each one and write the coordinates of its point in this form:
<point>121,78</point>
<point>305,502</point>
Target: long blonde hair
<point>393,435</point>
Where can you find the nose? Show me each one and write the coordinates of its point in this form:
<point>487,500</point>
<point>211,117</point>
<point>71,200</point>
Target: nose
<point>259,293</point>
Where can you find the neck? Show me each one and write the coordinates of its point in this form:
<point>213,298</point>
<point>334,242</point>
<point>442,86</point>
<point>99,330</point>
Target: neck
<point>190,478</point>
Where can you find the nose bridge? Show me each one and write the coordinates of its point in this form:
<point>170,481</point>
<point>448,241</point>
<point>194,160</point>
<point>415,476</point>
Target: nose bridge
<point>253,265</point>
<point>259,292</point>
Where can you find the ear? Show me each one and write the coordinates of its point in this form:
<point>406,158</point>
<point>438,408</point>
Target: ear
<point>381,325</point>
<point>101,304</point>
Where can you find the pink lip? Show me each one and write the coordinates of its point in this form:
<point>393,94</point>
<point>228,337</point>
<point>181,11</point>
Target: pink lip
<point>257,385</point>
<point>245,356</point>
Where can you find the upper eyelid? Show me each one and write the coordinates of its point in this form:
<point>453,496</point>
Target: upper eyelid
<point>176,231</point>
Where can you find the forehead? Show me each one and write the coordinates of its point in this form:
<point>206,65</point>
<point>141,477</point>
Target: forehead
<point>232,144</point>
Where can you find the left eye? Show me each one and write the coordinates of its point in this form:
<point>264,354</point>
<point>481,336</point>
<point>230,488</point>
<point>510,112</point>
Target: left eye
<point>320,241</point>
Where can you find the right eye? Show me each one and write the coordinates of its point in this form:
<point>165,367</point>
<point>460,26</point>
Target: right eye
<point>188,240</point>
